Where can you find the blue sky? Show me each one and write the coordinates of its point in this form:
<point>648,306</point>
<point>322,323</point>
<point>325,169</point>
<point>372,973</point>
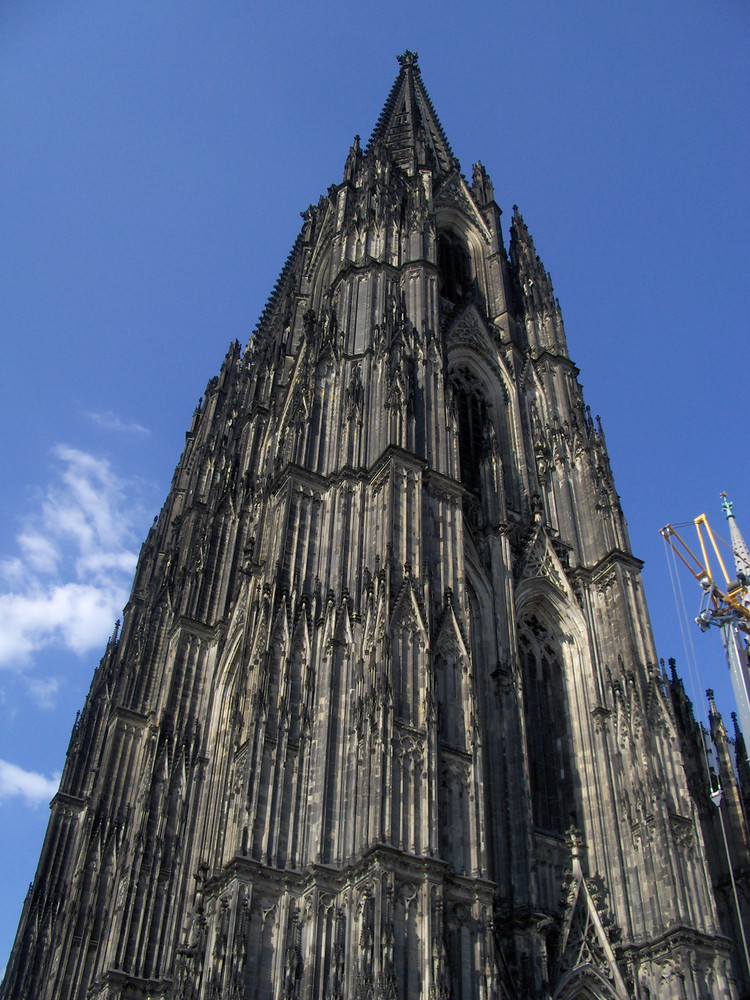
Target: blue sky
<point>154,161</point>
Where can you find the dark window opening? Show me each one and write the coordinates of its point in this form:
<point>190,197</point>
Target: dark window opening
<point>472,416</point>
<point>455,268</point>
<point>547,739</point>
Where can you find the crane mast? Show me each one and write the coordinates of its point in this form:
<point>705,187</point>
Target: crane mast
<point>726,597</point>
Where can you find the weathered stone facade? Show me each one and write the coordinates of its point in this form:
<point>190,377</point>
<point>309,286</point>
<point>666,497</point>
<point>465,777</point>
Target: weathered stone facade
<point>384,717</point>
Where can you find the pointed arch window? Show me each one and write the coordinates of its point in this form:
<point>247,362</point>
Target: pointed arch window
<point>454,265</point>
<point>547,736</point>
<point>471,407</point>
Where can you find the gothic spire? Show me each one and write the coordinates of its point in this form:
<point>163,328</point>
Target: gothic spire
<point>291,738</point>
<point>408,126</point>
<point>536,294</point>
<point>741,553</point>
<point>536,282</point>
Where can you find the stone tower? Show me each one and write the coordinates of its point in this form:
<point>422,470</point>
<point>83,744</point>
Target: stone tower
<point>383,718</point>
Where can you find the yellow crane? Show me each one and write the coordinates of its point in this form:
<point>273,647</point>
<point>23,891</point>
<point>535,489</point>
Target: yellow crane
<point>726,605</point>
<point>726,597</point>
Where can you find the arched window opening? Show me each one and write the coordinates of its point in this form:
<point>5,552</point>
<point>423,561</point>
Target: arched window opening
<point>472,419</point>
<point>454,264</point>
<point>547,738</point>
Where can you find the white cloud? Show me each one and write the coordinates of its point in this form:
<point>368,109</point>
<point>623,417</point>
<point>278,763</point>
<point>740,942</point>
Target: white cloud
<point>43,691</point>
<point>33,787</point>
<point>38,552</point>
<point>111,422</point>
<point>12,572</point>
<point>77,560</point>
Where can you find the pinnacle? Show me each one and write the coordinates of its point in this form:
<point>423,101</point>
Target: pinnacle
<point>409,128</point>
<point>713,711</point>
<point>739,547</point>
<point>519,227</point>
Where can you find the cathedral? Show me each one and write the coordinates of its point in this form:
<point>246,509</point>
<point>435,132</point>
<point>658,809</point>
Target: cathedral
<point>384,719</point>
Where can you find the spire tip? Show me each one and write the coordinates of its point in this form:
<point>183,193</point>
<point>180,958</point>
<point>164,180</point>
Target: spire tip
<point>409,58</point>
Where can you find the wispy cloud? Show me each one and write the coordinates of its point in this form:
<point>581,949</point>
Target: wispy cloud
<point>43,690</point>
<point>34,788</point>
<point>111,422</point>
<point>77,557</point>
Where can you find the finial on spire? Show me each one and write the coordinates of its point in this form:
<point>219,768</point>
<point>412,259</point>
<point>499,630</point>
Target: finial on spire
<point>711,702</point>
<point>409,58</point>
<point>726,505</point>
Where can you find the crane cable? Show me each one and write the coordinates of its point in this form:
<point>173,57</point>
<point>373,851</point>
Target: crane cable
<point>687,643</point>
